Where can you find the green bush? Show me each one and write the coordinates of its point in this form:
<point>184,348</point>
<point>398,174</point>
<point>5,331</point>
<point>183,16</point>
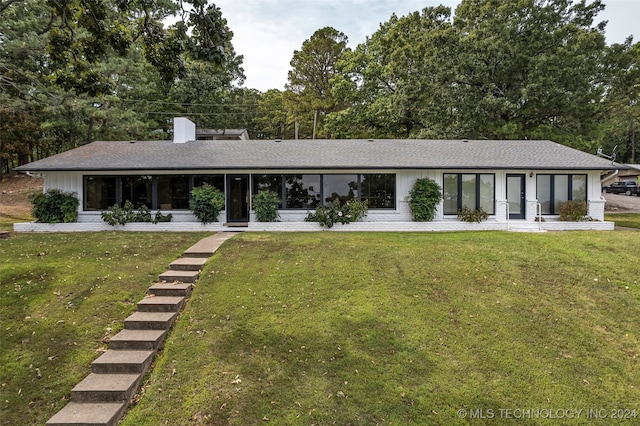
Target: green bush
<point>424,198</point>
<point>265,206</point>
<point>55,206</point>
<point>574,211</point>
<point>351,211</point>
<point>206,203</point>
<point>468,215</point>
<point>116,215</point>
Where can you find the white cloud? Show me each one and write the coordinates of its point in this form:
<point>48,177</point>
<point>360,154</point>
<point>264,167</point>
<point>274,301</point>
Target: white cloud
<point>267,32</point>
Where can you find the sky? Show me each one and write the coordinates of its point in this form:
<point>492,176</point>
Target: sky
<point>266,32</point>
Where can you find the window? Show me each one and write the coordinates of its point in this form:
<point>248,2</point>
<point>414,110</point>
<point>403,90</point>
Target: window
<point>217,181</point>
<point>268,183</point>
<point>99,192</point>
<point>473,190</point>
<point>308,191</point>
<point>302,191</point>
<point>342,187</point>
<point>173,192</point>
<point>296,191</point>
<point>553,191</point>
<point>378,190</point>
<point>138,190</point>
<point>162,192</point>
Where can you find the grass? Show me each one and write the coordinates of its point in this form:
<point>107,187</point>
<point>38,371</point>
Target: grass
<point>627,220</point>
<point>7,221</point>
<point>325,328</point>
<point>61,297</point>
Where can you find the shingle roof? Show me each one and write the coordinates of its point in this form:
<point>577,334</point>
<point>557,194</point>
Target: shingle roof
<point>322,154</point>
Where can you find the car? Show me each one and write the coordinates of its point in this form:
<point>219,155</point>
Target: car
<point>628,187</point>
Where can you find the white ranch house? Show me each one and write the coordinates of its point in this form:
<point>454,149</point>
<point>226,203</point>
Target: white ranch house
<point>517,181</point>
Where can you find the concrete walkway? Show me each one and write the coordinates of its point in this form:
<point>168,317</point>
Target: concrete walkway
<point>104,395</point>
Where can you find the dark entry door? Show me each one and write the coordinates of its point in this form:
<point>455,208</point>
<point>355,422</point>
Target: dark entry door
<point>237,198</point>
<point>516,196</point>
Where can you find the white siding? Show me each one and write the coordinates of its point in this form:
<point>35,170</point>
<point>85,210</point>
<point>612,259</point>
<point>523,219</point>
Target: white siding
<point>405,179</point>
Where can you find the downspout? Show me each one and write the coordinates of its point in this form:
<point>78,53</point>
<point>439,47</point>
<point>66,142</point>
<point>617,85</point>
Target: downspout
<point>609,176</point>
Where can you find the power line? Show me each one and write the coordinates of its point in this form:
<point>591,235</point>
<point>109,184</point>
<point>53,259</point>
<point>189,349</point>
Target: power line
<point>182,103</point>
<point>200,113</point>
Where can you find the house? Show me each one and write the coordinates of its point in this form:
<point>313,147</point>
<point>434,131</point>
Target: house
<point>521,183</point>
<point>632,173</point>
<point>222,134</point>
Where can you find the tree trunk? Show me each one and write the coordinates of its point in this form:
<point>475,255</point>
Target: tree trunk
<point>315,123</point>
<point>633,145</point>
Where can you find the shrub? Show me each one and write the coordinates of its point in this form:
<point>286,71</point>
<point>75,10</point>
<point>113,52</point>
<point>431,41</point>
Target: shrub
<point>265,206</point>
<point>206,203</point>
<point>351,211</point>
<point>116,215</point>
<point>424,198</point>
<point>55,206</point>
<point>468,215</point>
<point>574,211</point>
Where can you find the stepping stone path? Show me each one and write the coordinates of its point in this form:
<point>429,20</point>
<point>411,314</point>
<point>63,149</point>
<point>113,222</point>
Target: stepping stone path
<point>103,396</point>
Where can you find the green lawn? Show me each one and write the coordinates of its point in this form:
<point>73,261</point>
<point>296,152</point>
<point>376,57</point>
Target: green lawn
<point>337,328</point>
<point>7,221</point>
<point>61,297</point>
<point>627,220</point>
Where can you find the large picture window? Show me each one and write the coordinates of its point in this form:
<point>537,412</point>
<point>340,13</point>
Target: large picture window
<point>341,187</point>
<point>217,181</point>
<point>378,190</point>
<point>553,191</point>
<point>173,192</point>
<point>137,190</point>
<point>161,192</point>
<point>307,191</point>
<point>473,190</point>
<point>271,183</point>
<point>296,191</point>
<point>100,192</point>
<point>302,191</point>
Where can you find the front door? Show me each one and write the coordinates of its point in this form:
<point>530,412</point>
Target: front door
<point>516,196</point>
<point>237,198</point>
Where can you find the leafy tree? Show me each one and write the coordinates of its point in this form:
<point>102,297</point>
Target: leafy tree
<point>518,69</point>
<point>74,71</point>
<point>391,80</point>
<point>621,127</point>
<point>527,68</point>
<point>271,117</point>
<point>85,33</point>
<point>312,68</point>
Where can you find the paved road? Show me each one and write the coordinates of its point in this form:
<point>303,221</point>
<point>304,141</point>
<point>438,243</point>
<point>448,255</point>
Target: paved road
<point>622,203</point>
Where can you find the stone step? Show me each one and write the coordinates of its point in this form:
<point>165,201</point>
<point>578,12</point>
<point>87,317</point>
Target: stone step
<point>150,320</point>
<point>171,289</point>
<point>182,276</point>
<point>122,362</point>
<point>207,246</point>
<point>89,413</point>
<point>161,304</point>
<point>188,264</point>
<point>138,340</point>
<point>106,388</point>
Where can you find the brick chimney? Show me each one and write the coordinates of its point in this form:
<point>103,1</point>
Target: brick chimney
<point>184,130</point>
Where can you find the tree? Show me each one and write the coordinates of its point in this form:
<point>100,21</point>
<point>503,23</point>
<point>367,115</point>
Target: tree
<point>312,68</point>
<point>517,69</point>
<point>271,118</point>
<point>527,69</point>
<point>74,71</point>
<point>621,127</point>
<point>390,82</point>
<point>84,33</point>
